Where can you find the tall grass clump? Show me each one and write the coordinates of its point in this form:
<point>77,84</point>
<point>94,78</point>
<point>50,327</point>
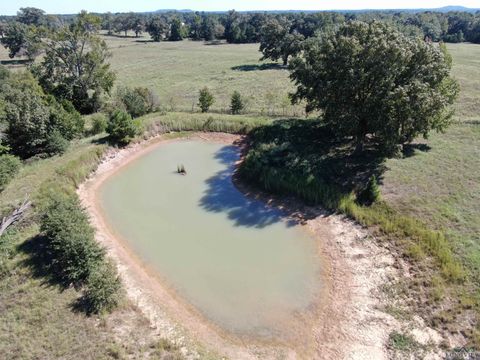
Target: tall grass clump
<point>9,167</point>
<point>240,124</point>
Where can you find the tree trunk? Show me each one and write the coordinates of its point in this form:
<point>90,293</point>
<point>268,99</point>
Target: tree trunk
<point>361,135</point>
<point>16,215</point>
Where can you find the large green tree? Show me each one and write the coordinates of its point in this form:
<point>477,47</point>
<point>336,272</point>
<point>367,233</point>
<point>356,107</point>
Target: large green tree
<point>372,82</point>
<point>31,16</point>
<point>21,39</point>
<point>157,27</point>
<point>177,30</point>
<point>277,42</point>
<point>75,65</point>
<point>36,123</point>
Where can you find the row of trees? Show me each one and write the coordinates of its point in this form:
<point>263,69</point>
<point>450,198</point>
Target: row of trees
<point>237,27</point>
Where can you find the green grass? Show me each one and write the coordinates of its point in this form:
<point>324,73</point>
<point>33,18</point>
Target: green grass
<point>432,192</point>
<point>209,122</point>
<point>466,69</point>
<point>178,70</point>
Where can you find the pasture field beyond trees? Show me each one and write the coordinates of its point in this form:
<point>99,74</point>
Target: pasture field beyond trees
<point>439,184</point>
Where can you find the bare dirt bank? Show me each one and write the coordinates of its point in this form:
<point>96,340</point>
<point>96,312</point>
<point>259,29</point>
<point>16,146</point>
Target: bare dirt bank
<point>350,322</point>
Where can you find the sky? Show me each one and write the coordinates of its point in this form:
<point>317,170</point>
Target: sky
<point>10,7</point>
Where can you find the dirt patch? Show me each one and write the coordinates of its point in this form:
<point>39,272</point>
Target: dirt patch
<point>349,323</point>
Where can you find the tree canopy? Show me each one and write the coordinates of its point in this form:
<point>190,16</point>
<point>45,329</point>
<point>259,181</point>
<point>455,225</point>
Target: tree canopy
<point>74,66</point>
<point>371,81</point>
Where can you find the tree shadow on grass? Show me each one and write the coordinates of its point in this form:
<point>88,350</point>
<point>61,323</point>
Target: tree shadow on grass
<point>258,67</point>
<point>40,262</point>
<point>221,196</point>
<point>410,150</point>
<point>309,147</point>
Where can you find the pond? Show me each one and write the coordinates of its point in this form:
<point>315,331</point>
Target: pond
<point>240,263</point>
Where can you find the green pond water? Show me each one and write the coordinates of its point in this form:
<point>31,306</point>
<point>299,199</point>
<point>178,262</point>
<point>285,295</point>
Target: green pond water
<point>237,261</point>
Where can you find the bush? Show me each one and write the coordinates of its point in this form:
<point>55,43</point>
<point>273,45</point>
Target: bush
<point>237,104</point>
<point>205,99</point>
<point>56,144</point>
<point>37,123</point>
<point>121,128</point>
<point>99,124</point>
<point>138,101</point>
<point>9,166</point>
<point>70,240</point>
<point>65,119</point>
<point>370,193</point>
<point>103,289</point>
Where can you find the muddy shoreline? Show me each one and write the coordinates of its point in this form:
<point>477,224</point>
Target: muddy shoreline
<point>348,323</point>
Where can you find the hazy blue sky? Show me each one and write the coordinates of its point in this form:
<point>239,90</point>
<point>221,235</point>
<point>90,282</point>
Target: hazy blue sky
<point>10,7</point>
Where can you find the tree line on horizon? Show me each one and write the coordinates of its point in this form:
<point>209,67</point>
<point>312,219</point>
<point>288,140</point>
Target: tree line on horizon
<point>240,27</point>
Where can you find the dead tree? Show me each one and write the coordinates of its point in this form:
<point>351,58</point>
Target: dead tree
<point>16,216</point>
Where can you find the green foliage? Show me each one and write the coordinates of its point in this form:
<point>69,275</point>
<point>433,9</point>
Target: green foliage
<point>157,27</point>
<point>121,127</point>
<point>69,240</point>
<point>370,193</point>
<point>83,73</point>
<point>177,30</point>
<point>36,123</point>
<point>55,143</point>
<point>138,101</point>
<point>236,103</point>
<point>27,117</point>
<point>31,16</point>
<point>205,99</point>
<point>9,167</point>
<point>369,79</point>
<point>65,119</point>
<point>21,39</point>
<point>278,42</point>
<point>103,290</point>
<point>402,342</point>
<point>99,124</point>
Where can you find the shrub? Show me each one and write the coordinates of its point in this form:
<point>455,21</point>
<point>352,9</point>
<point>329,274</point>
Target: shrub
<point>99,124</point>
<point>103,289</point>
<point>138,101</point>
<point>370,193</point>
<point>65,119</point>
<point>121,127</point>
<point>9,166</point>
<point>237,104</point>
<point>205,99</point>
<point>69,238</point>
<point>55,144</point>
<point>37,123</point>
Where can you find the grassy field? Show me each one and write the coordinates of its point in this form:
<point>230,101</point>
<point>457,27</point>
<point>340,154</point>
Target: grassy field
<point>178,70</point>
<point>439,185</point>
